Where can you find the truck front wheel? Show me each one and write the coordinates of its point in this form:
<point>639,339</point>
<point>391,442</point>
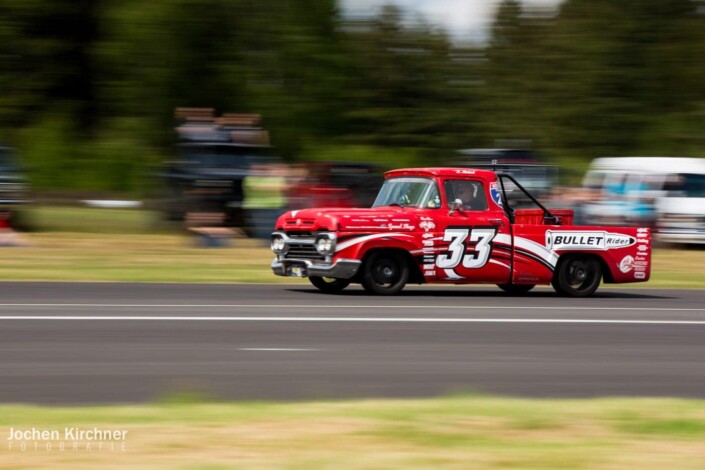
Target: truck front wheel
<point>328,284</point>
<point>577,276</point>
<point>385,273</point>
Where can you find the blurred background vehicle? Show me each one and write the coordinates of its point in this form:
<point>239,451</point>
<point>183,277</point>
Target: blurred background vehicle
<point>334,184</point>
<point>667,193</point>
<point>14,189</point>
<point>214,156</point>
<point>626,190</point>
<point>501,155</point>
<point>681,210</point>
<point>525,165</point>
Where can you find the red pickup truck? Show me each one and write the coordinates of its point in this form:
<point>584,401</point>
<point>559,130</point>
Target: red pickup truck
<point>456,226</point>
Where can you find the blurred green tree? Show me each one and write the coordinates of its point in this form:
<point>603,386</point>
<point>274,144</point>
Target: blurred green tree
<point>88,87</point>
<point>412,88</point>
<point>600,77</point>
<point>46,60</point>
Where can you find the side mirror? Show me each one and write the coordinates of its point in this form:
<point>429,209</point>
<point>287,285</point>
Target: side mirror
<point>455,206</point>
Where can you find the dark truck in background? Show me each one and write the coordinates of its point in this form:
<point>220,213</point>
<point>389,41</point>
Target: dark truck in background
<point>14,192</point>
<point>212,158</point>
<point>523,164</point>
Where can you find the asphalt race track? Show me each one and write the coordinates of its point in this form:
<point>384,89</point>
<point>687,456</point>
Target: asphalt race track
<point>109,343</point>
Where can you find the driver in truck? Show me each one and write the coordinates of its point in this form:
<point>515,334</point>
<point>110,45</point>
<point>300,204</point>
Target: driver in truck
<point>470,195</point>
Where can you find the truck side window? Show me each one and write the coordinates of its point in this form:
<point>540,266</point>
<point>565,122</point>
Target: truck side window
<point>471,193</point>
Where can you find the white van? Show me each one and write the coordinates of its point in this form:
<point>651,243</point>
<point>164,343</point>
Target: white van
<point>665,192</point>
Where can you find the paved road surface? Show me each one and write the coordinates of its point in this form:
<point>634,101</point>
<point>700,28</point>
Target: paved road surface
<point>103,343</point>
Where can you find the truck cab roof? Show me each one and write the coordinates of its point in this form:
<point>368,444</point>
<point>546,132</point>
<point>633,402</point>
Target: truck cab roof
<point>443,172</point>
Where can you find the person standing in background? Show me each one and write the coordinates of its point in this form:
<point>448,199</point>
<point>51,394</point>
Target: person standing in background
<point>265,189</point>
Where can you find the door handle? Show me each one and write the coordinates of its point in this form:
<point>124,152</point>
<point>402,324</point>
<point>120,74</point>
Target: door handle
<point>498,222</point>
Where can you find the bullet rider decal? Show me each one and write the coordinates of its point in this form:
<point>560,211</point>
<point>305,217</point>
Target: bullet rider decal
<point>586,240</point>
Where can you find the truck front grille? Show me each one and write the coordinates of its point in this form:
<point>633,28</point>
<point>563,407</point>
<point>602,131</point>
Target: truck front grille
<point>304,235</point>
<point>303,251</point>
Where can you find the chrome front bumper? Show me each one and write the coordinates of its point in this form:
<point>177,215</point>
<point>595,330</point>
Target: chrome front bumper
<point>341,269</point>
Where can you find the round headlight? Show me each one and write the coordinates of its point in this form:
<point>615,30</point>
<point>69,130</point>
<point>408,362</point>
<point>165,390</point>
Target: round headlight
<point>324,246</point>
<point>278,245</point>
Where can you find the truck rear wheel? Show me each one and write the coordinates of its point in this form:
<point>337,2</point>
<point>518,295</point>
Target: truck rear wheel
<point>329,284</point>
<point>516,289</point>
<point>577,276</point>
<point>385,273</point>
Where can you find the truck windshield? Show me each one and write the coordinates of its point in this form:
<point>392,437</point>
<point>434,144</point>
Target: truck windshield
<point>409,192</point>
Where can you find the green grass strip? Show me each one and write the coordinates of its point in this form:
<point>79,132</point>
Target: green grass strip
<point>459,432</point>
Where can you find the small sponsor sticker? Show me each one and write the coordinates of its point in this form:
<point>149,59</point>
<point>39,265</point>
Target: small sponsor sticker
<point>404,226</point>
<point>627,264</point>
<point>496,194</point>
<point>639,275</point>
<point>427,225</point>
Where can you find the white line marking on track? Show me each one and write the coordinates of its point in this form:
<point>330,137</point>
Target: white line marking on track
<point>351,319</point>
<point>277,349</point>
<point>381,306</point>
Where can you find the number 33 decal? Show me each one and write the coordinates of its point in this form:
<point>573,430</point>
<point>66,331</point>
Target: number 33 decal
<point>456,250</point>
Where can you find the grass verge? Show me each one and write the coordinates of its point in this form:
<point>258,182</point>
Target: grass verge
<point>77,219</point>
<point>63,256</point>
<point>453,433</point>
<point>89,244</point>
<point>135,258</point>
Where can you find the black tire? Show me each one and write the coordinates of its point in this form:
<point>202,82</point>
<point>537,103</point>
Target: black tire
<point>328,284</point>
<point>516,289</point>
<point>577,275</point>
<point>385,273</point>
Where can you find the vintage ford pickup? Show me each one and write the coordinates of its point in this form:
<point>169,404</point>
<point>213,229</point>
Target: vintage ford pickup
<point>456,226</point>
